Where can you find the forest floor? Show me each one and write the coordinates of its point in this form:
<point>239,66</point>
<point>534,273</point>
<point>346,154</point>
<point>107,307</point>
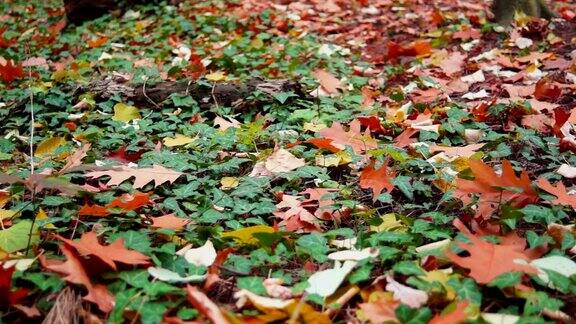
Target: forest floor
<point>414,164</point>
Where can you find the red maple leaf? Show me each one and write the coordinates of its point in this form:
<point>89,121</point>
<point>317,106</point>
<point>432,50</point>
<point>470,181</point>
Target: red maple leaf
<point>354,138</point>
<point>10,72</point>
<point>377,180</point>
<point>75,272</point>
<point>8,296</point>
<point>318,199</point>
<point>125,157</point>
<point>547,89</point>
<point>562,196</point>
<point>109,254</point>
<point>372,123</point>
<point>294,216</point>
<point>494,189</point>
<point>488,260</point>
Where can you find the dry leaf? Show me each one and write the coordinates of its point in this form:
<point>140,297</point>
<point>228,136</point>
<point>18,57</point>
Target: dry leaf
<point>143,176</point>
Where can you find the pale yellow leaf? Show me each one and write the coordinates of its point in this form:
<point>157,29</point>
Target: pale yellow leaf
<point>216,76</point>
<point>125,113</point>
<point>229,183</point>
<point>177,140</point>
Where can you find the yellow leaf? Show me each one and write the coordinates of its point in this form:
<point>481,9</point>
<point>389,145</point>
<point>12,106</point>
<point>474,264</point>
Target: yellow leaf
<point>339,158</point>
<point>177,140</point>
<point>229,183</point>
<point>48,146</point>
<point>313,127</point>
<point>7,214</point>
<point>389,223</point>
<point>41,215</point>
<point>125,113</point>
<point>441,277</point>
<point>246,235</point>
<point>216,76</point>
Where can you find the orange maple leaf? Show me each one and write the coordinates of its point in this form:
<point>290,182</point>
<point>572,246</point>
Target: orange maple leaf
<point>93,210</point>
<point>487,260</point>
<point>75,272</point>
<point>457,315</point>
<point>377,180</point>
<point>126,202</point>
<point>494,189</point>
<point>109,254</point>
<point>354,138</point>
<point>562,196</point>
<point>131,202</point>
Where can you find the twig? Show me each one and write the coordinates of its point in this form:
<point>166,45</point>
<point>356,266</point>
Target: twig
<point>33,186</point>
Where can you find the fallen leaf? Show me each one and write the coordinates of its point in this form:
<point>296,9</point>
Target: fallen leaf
<point>562,196</point>
<point>294,216</point>
<point>169,221</point>
<point>177,140</point>
<point>205,306</point>
<point>48,146</point>
<point>10,71</point>
<point>488,260</point>
<point>109,254</point>
<point>8,295</point>
<point>455,314</point>
<point>354,138</point>
<point>283,161</point>
<point>75,272</point>
<point>493,188</point>
<point>142,176</point>
<point>125,113</point>
<point>377,180</point>
<point>245,235</point>
<point>171,276</point>
<point>329,82</point>
<point>75,159</point>
<point>380,311</point>
<point>324,283</point>
<point>202,256</point>
<point>406,295</point>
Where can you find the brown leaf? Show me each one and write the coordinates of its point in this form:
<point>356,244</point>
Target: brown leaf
<point>75,159</point>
